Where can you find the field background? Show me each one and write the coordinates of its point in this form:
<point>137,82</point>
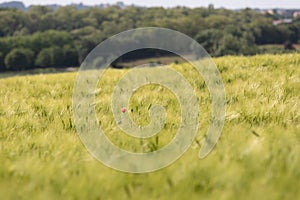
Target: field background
<point>257,156</point>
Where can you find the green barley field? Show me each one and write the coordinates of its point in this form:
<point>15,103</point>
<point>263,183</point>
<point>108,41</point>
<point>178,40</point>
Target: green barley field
<point>257,156</point>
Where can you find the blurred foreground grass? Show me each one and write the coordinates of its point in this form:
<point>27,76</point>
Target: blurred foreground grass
<point>257,157</point>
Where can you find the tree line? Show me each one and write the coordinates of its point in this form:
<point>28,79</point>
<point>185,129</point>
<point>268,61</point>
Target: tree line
<point>41,37</point>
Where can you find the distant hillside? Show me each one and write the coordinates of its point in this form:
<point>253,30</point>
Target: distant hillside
<point>13,4</point>
<point>20,5</point>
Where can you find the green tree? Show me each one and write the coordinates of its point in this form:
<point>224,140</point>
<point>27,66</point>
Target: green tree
<point>70,56</point>
<point>68,18</point>
<point>247,44</point>
<point>11,20</point>
<point>2,66</point>
<point>19,59</point>
<point>229,44</point>
<point>40,19</point>
<point>210,40</point>
<point>50,57</point>
<point>44,58</point>
<point>5,45</point>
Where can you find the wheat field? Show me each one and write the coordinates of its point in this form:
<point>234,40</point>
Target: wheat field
<point>257,156</point>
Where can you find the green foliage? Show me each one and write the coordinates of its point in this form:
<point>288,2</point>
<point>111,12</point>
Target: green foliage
<point>2,66</point>
<point>220,31</point>
<point>44,58</point>
<point>210,39</point>
<point>70,56</point>
<point>229,42</point>
<point>52,57</point>
<point>49,57</point>
<point>40,19</point>
<point>11,21</point>
<point>19,58</point>
<point>41,40</point>
<point>257,156</point>
<point>57,57</point>
<point>38,42</point>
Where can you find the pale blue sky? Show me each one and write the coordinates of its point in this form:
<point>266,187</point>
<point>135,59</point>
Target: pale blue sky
<point>189,3</point>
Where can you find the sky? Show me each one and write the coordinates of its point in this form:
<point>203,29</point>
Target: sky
<point>171,3</point>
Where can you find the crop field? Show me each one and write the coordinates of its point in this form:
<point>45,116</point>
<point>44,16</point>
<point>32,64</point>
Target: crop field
<point>257,156</point>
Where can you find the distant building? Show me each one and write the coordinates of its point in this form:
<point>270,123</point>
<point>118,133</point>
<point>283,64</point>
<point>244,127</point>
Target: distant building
<point>271,12</point>
<point>283,21</point>
<point>296,14</point>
